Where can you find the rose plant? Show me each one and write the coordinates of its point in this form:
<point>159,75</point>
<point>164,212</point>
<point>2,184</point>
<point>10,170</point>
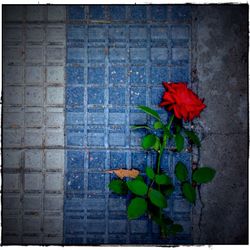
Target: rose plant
<point>149,191</point>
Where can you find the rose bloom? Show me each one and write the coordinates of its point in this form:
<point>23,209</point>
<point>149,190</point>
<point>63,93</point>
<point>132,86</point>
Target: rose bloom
<point>182,100</point>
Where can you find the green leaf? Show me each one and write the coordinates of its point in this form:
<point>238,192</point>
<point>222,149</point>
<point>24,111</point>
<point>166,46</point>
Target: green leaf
<point>189,192</point>
<point>150,111</point>
<point>136,208</point>
<point>157,144</point>
<point>179,142</point>
<point>175,228</point>
<point>139,178</point>
<point>148,141</point>
<point>203,175</point>
<point>181,172</point>
<point>162,179</point>
<point>150,173</point>
<point>118,186</point>
<point>193,137</point>
<point>158,125</point>
<point>157,198</point>
<point>139,127</point>
<point>178,129</point>
<point>169,190</point>
<point>137,187</point>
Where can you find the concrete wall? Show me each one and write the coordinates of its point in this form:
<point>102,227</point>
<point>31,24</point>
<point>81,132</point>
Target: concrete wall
<point>222,71</point>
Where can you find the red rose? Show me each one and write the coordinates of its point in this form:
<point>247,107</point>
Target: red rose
<point>182,100</point>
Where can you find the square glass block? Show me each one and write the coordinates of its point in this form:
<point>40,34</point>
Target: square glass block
<point>97,160</point>
<point>75,75</point>
<point>117,160</point>
<point>180,74</point>
<point>75,118</point>
<point>95,138</point>
<point>117,96</point>
<point>159,74</point>
<point>75,55</point>
<point>75,181</point>
<point>76,32</point>
<point>96,75</point>
<point>137,96</point>
<point>96,182</point>
<point>95,95</point>
<point>139,160</point>
<point>74,97</point>
<point>159,12</point>
<point>117,75</point>
<point>75,160</point>
<point>96,33</point>
<point>117,12</point>
<point>138,12</point>
<point>96,12</point>
<point>117,139</point>
<point>75,12</point>
<point>75,136</point>
<point>138,75</point>
<point>118,34</point>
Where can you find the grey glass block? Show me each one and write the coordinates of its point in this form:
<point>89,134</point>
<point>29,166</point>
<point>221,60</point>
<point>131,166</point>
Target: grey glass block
<point>33,119</point>
<point>54,159</point>
<point>14,13</point>
<point>35,13</point>
<point>13,119</point>
<point>11,182</point>
<point>34,33</point>
<point>32,202</point>
<point>34,54</point>
<point>34,159</point>
<point>54,137</point>
<point>52,225</point>
<point>55,74</point>
<point>55,119</point>
<point>55,54</point>
<point>33,137</point>
<point>32,224</point>
<point>10,202</point>
<point>53,181</point>
<point>33,181</point>
<point>13,96</point>
<point>12,137</point>
<point>34,96</point>
<point>13,33</point>
<point>55,95</point>
<point>56,33</point>
<point>13,75</point>
<point>34,74</point>
<point>11,224</point>
<point>53,202</point>
<point>11,158</point>
<point>13,55</point>
<point>56,13</point>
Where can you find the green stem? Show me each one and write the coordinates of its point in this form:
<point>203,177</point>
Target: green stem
<point>162,147</point>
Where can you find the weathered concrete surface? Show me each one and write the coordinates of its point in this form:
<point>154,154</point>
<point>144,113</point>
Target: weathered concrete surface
<point>222,70</point>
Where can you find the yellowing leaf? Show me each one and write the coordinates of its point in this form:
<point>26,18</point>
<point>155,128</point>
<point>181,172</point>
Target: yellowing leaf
<point>121,173</point>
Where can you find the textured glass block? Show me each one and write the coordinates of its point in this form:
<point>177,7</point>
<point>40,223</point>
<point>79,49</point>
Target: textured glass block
<point>138,12</point>
<point>74,182</point>
<point>96,33</point>
<point>75,12</point>
<point>117,12</point>
<point>159,74</point>
<point>75,55</point>
<point>95,96</point>
<point>138,75</point>
<point>96,75</point>
<point>180,32</point>
<point>74,96</point>
<point>159,12</point>
<point>117,75</point>
<point>117,160</point>
<point>96,181</point>
<point>137,96</point>
<point>96,12</point>
<point>137,32</point>
<point>75,159</point>
<point>180,74</point>
<point>75,137</point>
<point>117,96</point>
<point>117,34</point>
<point>76,32</point>
<point>97,160</point>
<point>75,75</point>
<point>139,160</point>
<point>117,54</point>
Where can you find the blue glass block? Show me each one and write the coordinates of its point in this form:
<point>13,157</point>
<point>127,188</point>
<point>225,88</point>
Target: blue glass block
<point>117,12</point>
<point>137,32</point>
<point>138,12</point>
<point>75,160</point>
<point>96,182</point>
<point>74,225</point>
<point>156,95</point>
<point>159,75</point>
<point>75,12</point>
<point>96,54</point>
<point>118,34</point>
<point>159,33</point>
<point>181,12</point>
<point>117,160</point>
<point>74,118</point>
<point>75,181</point>
<point>138,75</point>
<point>96,12</point>
<point>139,226</point>
<point>117,118</point>
<point>96,33</point>
<point>72,203</point>
<point>75,137</point>
<point>75,75</point>
<point>117,54</point>
<point>159,12</point>
<point>96,116</point>
<point>97,160</point>
<point>137,118</point>
<point>117,239</point>
<point>95,139</point>
<point>138,54</point>
<point>74,240</point>
<point>180,74</point>
<point>180,54</point>
<point>117,96</point>
<point>95,96</point>
<point>180,32</point>
<point>139,160</point>
<point>138,96</point>
<point>117,75</point>
<point>75,55</point>
<point>117,226</point>
<point>74,96</point>
<point>75,32</point>
<point>159,54</point>
<point>96,75</point>
<point>117,139</point>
